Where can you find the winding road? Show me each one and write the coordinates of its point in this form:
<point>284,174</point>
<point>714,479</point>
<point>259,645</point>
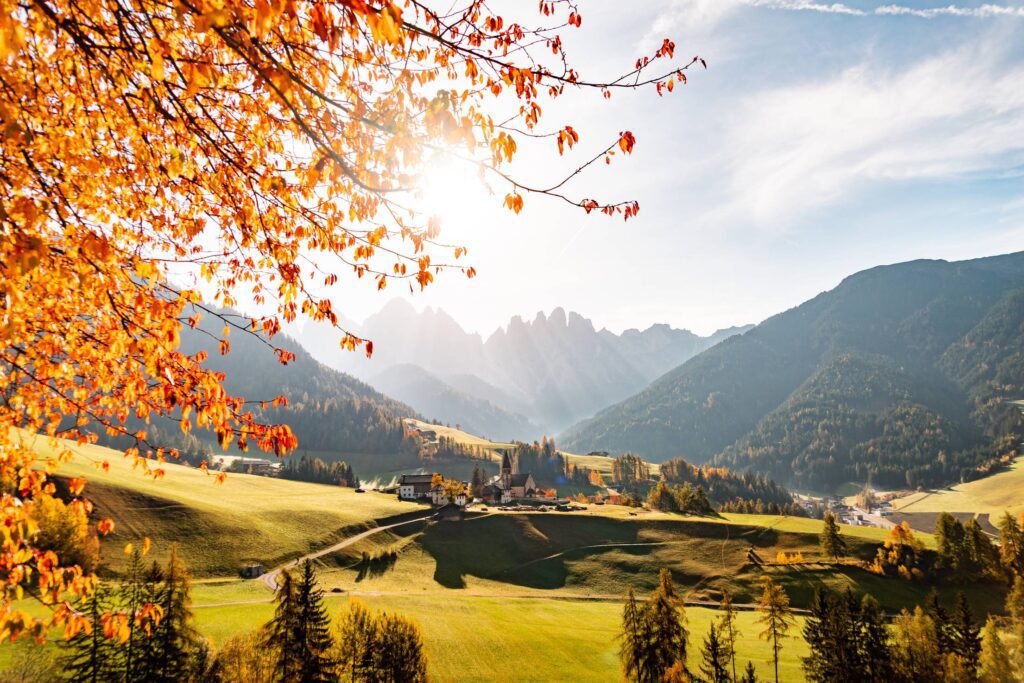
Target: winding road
<point>269,579</point>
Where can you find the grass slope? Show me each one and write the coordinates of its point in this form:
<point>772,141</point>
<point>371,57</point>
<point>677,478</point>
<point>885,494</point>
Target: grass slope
<point>987,497</point>
<point>217,527</point>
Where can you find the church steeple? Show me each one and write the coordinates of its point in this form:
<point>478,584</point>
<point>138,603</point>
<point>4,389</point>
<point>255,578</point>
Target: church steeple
<point>506,470</point>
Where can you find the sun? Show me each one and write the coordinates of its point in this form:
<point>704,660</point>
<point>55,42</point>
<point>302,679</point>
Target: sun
<point>454,192</point>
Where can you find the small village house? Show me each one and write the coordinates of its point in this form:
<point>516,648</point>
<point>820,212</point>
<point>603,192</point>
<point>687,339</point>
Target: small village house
<point>415,486</point>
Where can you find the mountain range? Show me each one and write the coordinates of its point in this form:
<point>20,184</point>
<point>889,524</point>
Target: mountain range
<point>904,375</point>
<point>527,379</point>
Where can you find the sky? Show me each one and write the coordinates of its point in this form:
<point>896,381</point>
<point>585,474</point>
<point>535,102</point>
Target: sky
<point>823,139</point>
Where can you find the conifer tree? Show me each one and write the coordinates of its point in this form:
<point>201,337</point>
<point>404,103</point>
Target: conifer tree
<point>832,543</point>
<point>915,651</point>
<point>1011,544</point>
<point>633,648</point>
<point>873,642</point>
<point>667,626</point>
<point>727,629</point>
<point>398,652</point>
<point>314,630</point>
<point>381,648</point>
<point>943,626</point>
<point>91,657</point>
<point>132,596</point>
<point>1015,608</point>
<point>282,631</point>
<point>966,641</point>
<point>146,654</point>
<point>995,666</point>
<point>715,663</point>
<point>178,642</point>
<point>749,675</point>
<point>356,635</point>
<point>776,617</point>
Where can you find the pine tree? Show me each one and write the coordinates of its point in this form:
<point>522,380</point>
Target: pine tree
<point>633,648</point>
<point>966,642</point>
<point>667,624</point>
<point>941,618</point>
<point>314,630</point>
<point>132,596</point>
<point>873,641</point>
<point>282,631</point>
<point>147,656</point>
<point>749,675</point>
<point>996,666</point>
<point>727,629</point>
<point>178,641</point>
<point>832,543</point>
<point>715,664</point>
<point>776,617</point>
<point>91,657</point>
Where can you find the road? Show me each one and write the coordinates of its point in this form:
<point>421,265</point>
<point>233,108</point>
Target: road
<point>269,579</point>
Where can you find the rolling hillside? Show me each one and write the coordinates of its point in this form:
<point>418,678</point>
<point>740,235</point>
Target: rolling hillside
<point>218,527</point>
<point>333,415</point>
<point>902,373</point>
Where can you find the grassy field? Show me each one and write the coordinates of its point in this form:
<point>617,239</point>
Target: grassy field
<point>499,596</point>
<point>521,639</point>
<point>989,497</point>
<point>218,527</point>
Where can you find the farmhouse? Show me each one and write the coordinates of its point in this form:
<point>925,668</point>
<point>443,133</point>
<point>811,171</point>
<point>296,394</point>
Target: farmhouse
<point>415,486</point>
<point>440,497</point>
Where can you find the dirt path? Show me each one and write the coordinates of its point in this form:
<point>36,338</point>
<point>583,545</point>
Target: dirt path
<point>269,579</point>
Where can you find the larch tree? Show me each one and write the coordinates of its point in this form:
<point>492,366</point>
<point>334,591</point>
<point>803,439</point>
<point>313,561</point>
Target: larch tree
<point>260,150</point>
<point>996,665</point>
<point>775,617</point>
<point>728,629</point>
<point>634,639</point>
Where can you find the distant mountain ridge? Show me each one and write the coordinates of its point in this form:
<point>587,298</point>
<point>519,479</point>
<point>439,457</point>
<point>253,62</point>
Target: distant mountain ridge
<point>902,373</point>
<point>524,380</point>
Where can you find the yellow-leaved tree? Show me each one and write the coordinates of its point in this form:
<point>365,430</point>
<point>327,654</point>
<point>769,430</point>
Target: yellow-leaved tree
<point>266,146</point>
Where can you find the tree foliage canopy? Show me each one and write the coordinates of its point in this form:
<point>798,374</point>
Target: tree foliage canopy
<point>258,148</point>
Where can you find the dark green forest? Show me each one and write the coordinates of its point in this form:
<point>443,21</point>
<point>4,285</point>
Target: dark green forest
<point>902,375</point>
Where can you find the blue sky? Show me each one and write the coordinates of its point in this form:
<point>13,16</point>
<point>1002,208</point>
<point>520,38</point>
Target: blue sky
<point>823,139</point>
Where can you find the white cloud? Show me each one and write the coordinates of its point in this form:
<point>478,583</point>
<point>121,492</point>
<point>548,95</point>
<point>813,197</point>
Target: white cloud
<point>701,15</point>
<point>791,149</point>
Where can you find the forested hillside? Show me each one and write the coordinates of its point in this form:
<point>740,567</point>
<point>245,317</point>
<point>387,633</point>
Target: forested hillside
<point>328,410</point>
<point>902,374</point>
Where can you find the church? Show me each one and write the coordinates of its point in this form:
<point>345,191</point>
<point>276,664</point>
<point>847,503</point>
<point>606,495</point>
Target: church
<point>509,484</point>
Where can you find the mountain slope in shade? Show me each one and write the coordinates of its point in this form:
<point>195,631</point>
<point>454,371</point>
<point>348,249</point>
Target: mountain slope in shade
<point>553,370</point>
<point>328,410</point>
<point>431,395</point>
<point>871,379</point>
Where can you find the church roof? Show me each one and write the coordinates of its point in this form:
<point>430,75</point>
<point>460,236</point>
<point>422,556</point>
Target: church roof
<point>520,479</point>
<point>506,461</point>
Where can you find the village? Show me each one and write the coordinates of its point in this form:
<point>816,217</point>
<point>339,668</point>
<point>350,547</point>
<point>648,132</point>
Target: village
<point>508,490</point>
